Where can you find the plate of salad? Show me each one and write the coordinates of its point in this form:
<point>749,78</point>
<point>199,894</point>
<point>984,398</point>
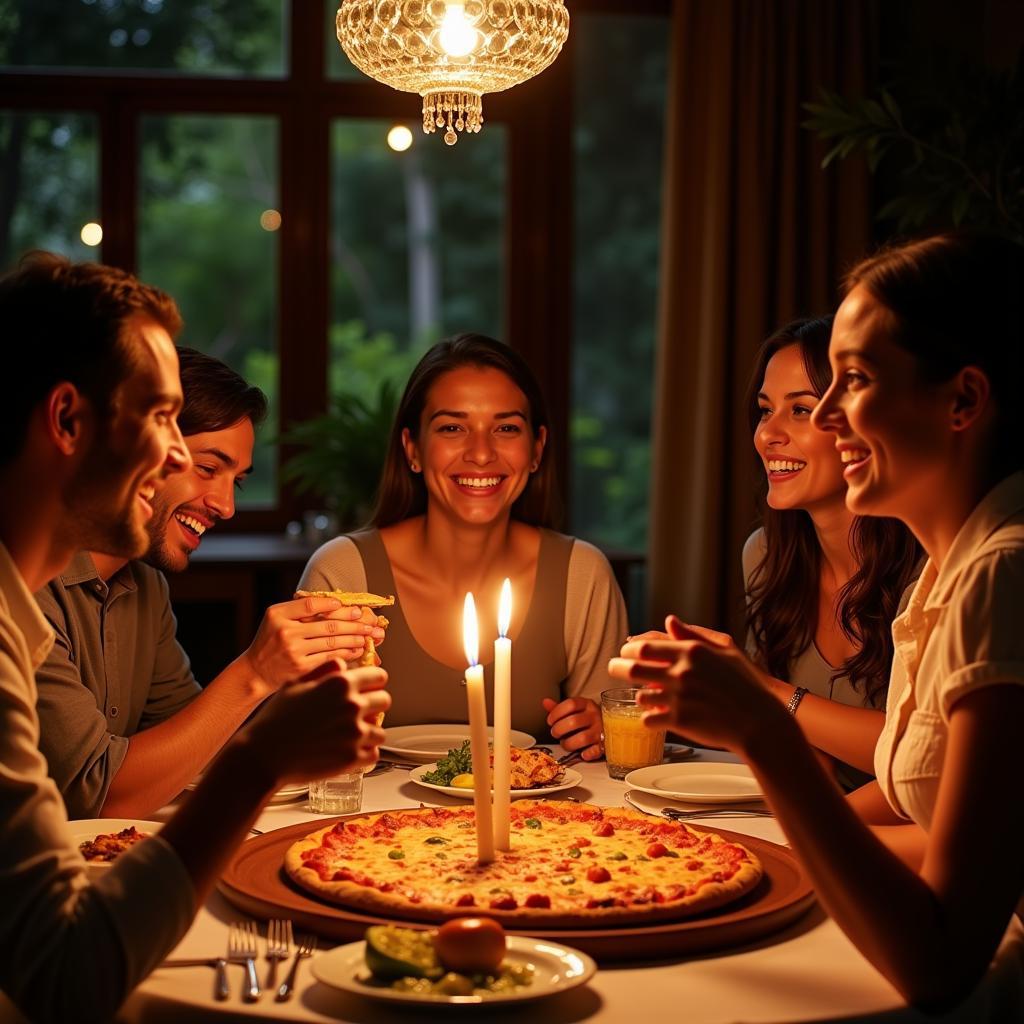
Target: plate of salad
<point>533,771</point>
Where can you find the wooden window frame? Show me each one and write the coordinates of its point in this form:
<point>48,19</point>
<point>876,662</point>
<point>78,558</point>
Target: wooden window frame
<point>538,119</point>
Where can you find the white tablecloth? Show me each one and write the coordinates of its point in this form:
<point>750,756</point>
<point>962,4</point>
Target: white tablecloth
<point>809,972</point>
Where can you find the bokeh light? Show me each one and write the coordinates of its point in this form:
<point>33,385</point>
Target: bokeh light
<point>92,233</point>
<point>400,138</point>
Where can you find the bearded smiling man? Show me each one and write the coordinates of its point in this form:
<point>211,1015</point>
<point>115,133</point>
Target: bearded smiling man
<point>124,725</point>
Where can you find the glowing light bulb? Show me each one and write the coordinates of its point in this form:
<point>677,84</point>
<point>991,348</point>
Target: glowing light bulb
<point>399,138</point>
<point>457,36</point>
<point>92,233</point>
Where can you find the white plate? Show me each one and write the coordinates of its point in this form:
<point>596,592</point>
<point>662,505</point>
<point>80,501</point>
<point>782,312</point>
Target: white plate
<point>705,782</point>
<point>651,804</point>
<point>286,794</point>
<point>570,778</point>
<point>85,829</point>
<point>429,742</point>
<point>556,969</point>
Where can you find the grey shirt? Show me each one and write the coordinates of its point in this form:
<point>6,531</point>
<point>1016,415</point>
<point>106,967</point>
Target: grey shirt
<point>114,670</point>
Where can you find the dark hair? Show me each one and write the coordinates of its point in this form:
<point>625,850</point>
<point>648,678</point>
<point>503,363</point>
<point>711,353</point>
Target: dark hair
<point>215,396</point>
<point>73,322</point>
<point>783,590</point>
<point>958,300</point>
<point>402,493</point>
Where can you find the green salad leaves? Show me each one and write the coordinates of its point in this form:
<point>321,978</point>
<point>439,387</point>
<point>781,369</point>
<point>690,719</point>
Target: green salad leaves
<point>456,762</point>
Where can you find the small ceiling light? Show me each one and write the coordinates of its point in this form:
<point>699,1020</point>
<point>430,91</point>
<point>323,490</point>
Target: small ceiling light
<point>270,220</point>
<point>399,138</point>
<point>452,53</point>
<point>92,233</point>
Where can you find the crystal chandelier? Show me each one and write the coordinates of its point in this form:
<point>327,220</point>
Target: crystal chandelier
<point>452,53</point>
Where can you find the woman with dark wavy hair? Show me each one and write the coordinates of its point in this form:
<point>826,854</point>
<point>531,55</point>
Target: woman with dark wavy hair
<point>823,585</point>
<point>467,498</point>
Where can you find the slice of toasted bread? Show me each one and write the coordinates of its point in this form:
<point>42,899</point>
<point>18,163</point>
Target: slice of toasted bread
<point>353,600</point>
<point>350,598</point>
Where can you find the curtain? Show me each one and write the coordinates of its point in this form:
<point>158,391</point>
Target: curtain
<point>754,233</point>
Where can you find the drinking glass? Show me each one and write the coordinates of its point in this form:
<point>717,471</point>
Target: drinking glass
<point>341,794</point>
<point>628,743</point>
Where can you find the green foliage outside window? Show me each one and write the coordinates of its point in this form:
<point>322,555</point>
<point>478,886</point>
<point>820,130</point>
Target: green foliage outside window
<point>207,37</point>
<point>621,71</point>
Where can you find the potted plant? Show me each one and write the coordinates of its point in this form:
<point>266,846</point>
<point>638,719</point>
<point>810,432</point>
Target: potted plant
<point>955,145</point>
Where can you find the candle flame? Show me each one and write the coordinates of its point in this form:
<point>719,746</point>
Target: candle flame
<point>505,608</point>
<point>470,632</point>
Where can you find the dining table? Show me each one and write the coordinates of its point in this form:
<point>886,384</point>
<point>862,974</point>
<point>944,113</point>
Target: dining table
<point>808,971</point>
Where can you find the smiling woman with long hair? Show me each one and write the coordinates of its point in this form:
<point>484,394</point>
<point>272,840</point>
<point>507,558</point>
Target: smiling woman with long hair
<point>467,498</point>
<point>823,585</point>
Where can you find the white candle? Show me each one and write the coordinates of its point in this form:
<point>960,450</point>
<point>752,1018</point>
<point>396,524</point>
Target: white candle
<point>503,721</point>
<point>477,701</point>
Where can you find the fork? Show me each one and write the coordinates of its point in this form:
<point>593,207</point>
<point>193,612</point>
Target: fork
<point>675,814</point>
<point>571,758</point>
<point>242,950</point>
<point>305,948</point>
<point>279,945</point>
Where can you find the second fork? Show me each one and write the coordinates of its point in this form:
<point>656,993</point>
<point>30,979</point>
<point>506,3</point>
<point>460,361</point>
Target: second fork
<point>242,950</point>
<point>279,944</point>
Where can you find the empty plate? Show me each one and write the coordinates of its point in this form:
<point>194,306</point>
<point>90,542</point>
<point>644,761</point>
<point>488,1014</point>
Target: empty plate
<point>430,742</point>
<point>714,782</point>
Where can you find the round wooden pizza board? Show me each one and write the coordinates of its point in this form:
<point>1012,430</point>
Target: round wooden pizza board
<point>256,883</point>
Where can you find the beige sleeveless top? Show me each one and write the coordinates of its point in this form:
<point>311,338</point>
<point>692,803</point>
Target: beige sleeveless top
<point>424,690</point>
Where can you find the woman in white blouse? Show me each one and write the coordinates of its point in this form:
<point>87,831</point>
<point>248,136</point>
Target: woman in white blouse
<point>927,354</point>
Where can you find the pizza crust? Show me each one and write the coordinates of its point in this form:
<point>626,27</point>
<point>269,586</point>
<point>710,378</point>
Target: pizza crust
<point>358,599</point>
<point>407,897</point>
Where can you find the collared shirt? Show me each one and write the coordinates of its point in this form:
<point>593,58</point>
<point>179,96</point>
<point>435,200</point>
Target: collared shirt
<point>116,668</point>
<point>961,631</point>
<point>67,948</point>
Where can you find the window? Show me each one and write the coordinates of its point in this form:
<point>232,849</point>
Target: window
<point>211,37</point>
<point>48,184</point>
<point>185,128</point>
<point>207,234</point>
<point>416,249</point>
<point>620,77</point>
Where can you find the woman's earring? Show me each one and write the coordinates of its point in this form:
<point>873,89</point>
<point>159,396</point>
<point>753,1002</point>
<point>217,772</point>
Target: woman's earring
<point>414,465</point>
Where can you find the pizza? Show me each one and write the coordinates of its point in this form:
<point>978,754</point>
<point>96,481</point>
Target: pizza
<point>107,846</point>
<point>353,599</point>
<point>571,864</point>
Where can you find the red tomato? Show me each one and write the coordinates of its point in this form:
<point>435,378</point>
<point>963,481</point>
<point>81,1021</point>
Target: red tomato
<point>471,945</point>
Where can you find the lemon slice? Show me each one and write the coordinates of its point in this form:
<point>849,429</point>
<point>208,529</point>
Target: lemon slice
<point>463,781</point>
<point>393,953</point>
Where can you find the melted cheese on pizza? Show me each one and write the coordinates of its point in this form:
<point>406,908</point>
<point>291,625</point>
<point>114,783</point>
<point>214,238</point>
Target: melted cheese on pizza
<point>565,857</point>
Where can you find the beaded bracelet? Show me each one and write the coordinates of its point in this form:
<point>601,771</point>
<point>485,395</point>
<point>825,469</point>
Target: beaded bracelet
<point>794,700</point>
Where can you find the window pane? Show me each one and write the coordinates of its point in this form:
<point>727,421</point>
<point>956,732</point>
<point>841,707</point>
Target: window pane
<point>335,61</point>
<point>201,37</point>
<point>48,184</point>
<point>620,81</point>
<point>417,246</point>
<point>207,220</point>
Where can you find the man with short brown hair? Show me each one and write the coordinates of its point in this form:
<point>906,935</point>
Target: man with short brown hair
<point>90,438</point>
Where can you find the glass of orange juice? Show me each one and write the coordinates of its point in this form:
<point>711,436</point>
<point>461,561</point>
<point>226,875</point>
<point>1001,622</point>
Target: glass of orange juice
<point>628,743</point>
